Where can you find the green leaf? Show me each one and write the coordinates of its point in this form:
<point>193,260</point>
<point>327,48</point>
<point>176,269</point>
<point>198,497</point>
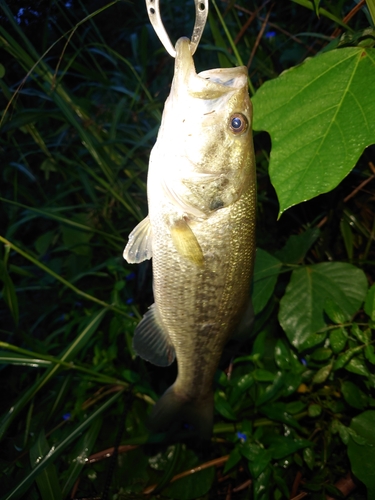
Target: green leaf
<point>354,396</point>
<point>357,366</point>
<point>257,456</point>
<point>347,235</point>
<point>370,354</point>
<point>362,456</point>
<point>193,486</point>
<point>309,457</point>
<point>370,303</point>
<point>302,307</point>
<point>262,375</point>
<point>314,410</point>
<point>297,246</point>
<point>282,446</point>
<point>337,339</point>
<point>234,458</point>
<point>322,374</point>
<point>223,406</point>
<point>277,411</point>
<point>345,357</point>
<point>311,112</point>
<point>266,271</point>
<point>321,354</point>
<point>334,312</point>
<point>273,389</point>
<point>364,336</point>
<point>47,480</point>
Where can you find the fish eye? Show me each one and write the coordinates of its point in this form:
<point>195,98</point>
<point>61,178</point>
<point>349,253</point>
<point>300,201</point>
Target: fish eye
<point>238,123</point>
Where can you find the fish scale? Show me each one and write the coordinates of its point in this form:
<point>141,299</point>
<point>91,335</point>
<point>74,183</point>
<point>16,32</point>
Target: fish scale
<point>200,233</point>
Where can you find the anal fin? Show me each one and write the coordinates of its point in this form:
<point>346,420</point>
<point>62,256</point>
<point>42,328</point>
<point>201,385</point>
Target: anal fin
<point>151,342</point>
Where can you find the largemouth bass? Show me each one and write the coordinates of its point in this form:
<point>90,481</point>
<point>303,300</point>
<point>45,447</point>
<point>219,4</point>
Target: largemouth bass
<point>200,233</point>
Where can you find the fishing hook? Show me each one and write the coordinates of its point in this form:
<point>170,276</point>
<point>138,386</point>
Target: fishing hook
<point>201,13</point>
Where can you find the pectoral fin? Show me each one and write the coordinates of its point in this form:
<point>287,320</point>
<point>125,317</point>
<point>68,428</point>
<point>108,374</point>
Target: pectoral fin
<point>151,342</point>
<point>139,247</point>
<point>186,242</point>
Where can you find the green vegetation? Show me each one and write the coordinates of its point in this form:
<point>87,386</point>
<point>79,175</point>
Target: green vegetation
<point>295,409</point>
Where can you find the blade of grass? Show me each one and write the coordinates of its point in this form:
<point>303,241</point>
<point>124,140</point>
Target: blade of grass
<point>81,453</point>
<point>56,451</point>
<point>62,280</point>
<point>43,360</point>
<point>63,220</point>
<point>323,12</point>
<point>66,356</point>
<point>47,481</point>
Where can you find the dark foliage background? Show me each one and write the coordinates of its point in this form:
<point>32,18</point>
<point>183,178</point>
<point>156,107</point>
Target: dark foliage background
<point>83,87</point>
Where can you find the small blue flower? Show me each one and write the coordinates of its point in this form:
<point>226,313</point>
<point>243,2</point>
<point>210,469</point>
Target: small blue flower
<point>303,361</point>
<point>130,277</point>
<point>66,416</point>
<point>270,34</point>
<point>242,436</point>
<point>130,301</point>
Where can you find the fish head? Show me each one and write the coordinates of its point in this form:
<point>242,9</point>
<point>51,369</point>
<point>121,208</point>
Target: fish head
<point>206,136</point>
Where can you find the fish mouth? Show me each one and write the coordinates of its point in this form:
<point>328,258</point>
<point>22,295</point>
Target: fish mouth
<point>209,84</point>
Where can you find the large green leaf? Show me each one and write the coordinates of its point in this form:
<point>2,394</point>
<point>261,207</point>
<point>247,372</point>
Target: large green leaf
<point>362,454</point>
<point>302,307</point>
<point>320,116</point>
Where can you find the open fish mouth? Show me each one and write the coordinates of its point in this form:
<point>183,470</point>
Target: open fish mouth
<point>209,84</point>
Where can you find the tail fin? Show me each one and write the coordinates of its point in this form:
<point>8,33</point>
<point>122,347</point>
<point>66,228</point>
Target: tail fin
<point>173,409</point>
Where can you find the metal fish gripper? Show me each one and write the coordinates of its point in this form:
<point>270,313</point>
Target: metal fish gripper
<point>201,13</point>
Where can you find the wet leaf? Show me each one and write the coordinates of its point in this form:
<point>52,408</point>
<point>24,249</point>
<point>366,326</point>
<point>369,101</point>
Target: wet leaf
<point>310,112</point>
<point>345,357</point>
<point>362,457</point>
<point>257,456</point>
<point>322,374</point>
<point>337,339</point>
<point>334,312</point>
<point>302,307</point>
<point>364,336</point>
<point>277,411</point>
<point>357,366</point>
<point>282,446</point>
<point>309,457</point>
